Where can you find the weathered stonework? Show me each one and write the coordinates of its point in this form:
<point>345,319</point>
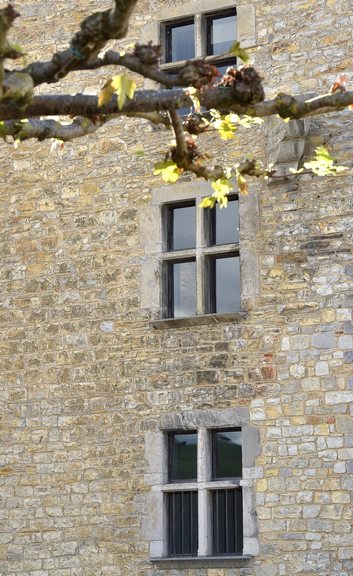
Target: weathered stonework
<point>85,376</point>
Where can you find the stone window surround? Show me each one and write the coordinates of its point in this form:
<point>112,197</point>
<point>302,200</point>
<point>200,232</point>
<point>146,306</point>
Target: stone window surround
<point>156,455</point>
<point>245,22</point>
<point>151,235</point>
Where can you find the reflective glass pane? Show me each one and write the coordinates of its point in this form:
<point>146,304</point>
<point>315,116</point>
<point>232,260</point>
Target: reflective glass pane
<point>227,454</point>
<point>182,233</point>
<point>182,456</point>
<point>180,42</point>
<point>226,223</point>
<point>227,284</point>
<point>184,289</point>
<point>222,34</point>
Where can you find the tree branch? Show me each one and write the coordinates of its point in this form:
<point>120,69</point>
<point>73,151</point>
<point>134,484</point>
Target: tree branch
<point>95,32</point>
<point>133,63</point>
<point>7,17</point>
<point>146,101</point>
<point>46,129</point>
<point>181,150</point>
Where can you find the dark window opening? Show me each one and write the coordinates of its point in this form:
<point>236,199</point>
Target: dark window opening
<point>180,41</point>
<point>223,287</point>
<point>223,65</point>
<point>181,288</point>
<point>223,223</point>
<point>183,523</point>
<point>182,456</point>
<point>227,522</point>
<point>181,226</point>
<point>226,454</point>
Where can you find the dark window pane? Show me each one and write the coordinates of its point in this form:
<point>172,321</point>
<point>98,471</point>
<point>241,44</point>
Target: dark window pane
<point>180,44</point>
<point>182,227</point>
<point>224,223</point>
<point>227,454</point>
<point>183,289</point>
<point>182,456</point>
<point>227,522</point>
<point>174,72</point>
<point>224,284</point>
<point>222,67</point>
<point>183,523</point>
<point>221,34</point>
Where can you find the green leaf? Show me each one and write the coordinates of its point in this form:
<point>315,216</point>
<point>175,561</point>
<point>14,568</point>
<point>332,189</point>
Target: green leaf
<point>18,49</point>
<point>239,52</point>
<point>168,170</point>
<point>323,163</point>
<point>125,88</point>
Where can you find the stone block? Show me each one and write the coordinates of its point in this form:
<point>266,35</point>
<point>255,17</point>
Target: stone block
<point>339,397</point>
<point>324,340</point>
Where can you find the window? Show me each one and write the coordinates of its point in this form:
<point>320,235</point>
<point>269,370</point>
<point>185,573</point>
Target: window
<point>218,467</point>
<point>201,506</point>
<point>203,35</point>
<point>201,263</point>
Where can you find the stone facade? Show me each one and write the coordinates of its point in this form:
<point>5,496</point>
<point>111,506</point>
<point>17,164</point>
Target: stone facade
<point>85,376</point>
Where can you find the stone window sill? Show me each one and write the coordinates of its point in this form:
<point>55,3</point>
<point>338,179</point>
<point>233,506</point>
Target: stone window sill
<point>202,562</point>
<point>198,320</point>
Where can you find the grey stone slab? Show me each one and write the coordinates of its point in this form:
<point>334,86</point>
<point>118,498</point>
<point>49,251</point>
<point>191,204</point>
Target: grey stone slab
<point>324,340</point>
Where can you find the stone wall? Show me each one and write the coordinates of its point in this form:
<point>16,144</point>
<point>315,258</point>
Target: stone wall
<point>84,375</point>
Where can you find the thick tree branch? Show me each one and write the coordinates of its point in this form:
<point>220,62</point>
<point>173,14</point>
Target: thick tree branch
<point>7,17</point>
<point>45,129</point>
<point>95,32</point>
<point>181,150</point>
<point>146,101</point>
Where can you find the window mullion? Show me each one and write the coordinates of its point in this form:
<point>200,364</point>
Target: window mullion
<point>200,279</point>
<point>203,475</point>
<point>199,37</point>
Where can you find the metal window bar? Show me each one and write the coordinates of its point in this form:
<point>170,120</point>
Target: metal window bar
<point>227,522</point>
<point>183,523</point>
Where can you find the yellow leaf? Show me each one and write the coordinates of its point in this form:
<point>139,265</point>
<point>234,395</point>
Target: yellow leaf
<point>106,93</point>
<point>121,85</point>
<point>207,202</point>
<point>125,88</point>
